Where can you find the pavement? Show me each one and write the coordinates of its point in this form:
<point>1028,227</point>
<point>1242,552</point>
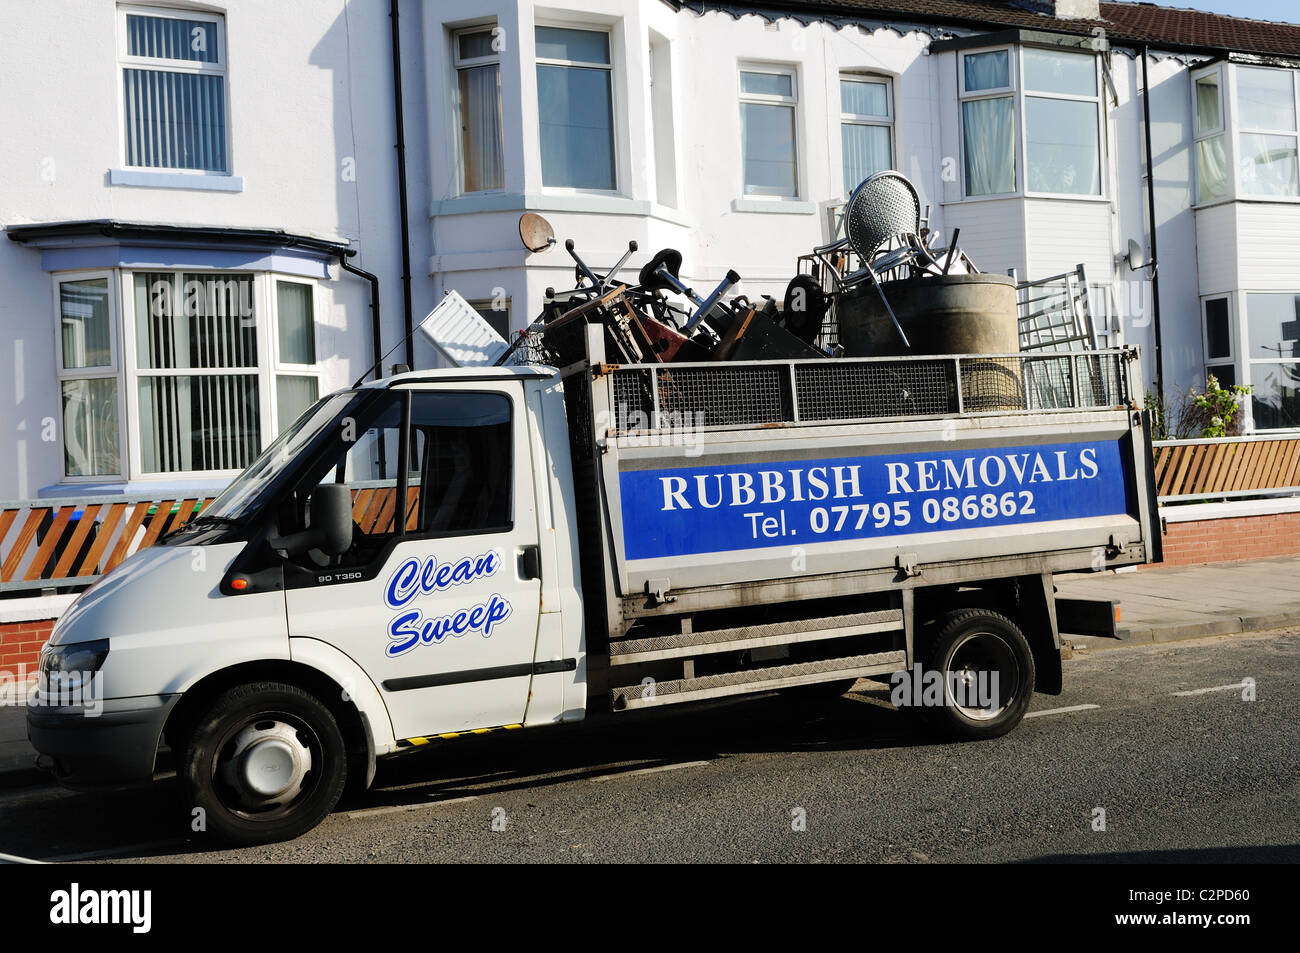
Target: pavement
<point>1156,605</point>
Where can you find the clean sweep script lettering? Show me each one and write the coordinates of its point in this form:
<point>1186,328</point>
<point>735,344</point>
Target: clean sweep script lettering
<point>415,578</point>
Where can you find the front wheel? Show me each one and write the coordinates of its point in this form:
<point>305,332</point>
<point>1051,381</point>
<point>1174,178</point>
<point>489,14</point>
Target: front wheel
<point>987,672</point>
<point>266,763</point>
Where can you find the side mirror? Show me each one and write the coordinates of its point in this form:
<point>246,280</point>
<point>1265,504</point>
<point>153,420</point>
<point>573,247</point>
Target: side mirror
<point>331,524</point>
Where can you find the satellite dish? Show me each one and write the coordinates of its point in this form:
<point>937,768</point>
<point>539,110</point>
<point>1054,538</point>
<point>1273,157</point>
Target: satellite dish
<point>1135,257</point>
<point>536,232</point>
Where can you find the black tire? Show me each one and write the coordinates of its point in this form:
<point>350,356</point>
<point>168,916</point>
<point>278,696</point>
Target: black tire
<point>260,731</point>
<point>970,642</point>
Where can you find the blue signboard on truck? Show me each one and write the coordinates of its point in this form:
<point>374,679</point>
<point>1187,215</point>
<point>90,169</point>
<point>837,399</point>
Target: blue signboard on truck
<point>694,510</point>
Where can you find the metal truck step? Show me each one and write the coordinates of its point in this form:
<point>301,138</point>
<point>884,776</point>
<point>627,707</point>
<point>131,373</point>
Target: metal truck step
<point>754,680</point>
<point>688,644</point>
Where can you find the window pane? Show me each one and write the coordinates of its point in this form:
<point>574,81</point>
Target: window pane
<point>1211,169</point>
<point>171,39</point>
<point>293,394</point>
<point>467,438</point>
<point>867,150</point>
<point>199,423</point>
<point>90,428</point>
<point>84,323</point>
<point>987,70</point>
<point>1225,374</point>
<point>577,127</point>
<point>864,98</point>
<point>1268,165</point>
<point>579,46</point>
<point>1208,112</point>
<point>767,84</point>
<point>297,323</point>
<point>1266,98</point>
<point>1062,151</point>
<point>499,319</point>
<point>1218,342</point>
<point>990,146</point>
<point>1273,326</point>
<point>209,321</point>
<point>473,45</point>
<point>175,120</point>
<point>480,128</point>
<point>1275,399</point>
<point>1048,71</point>
<point>767,140</point>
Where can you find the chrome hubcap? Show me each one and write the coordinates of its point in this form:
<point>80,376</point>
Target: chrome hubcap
<point>983,677</point>
<point>267,764</point>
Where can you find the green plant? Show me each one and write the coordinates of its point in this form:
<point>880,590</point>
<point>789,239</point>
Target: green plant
<point>1216,410</point>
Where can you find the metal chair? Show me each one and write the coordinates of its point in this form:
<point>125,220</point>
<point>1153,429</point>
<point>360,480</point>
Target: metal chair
<point>884,208</point>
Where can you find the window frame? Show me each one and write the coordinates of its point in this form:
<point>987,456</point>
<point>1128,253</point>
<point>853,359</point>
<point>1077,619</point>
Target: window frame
<point>616,158</point>
<point>280,367</point>
<point>1248,362</point>
<point>1025,93</point>
<point>1018,92</point>
<point>768,99</point>
<point>858,119</point>
<point>112,371</point>
<point>459,64</point>
<point>1239,130</point>
<point>1010,91</point>
<point>126,61</point>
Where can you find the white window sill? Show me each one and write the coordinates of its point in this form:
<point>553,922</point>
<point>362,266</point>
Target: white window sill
<point>200,182</point>
<point>596,203</point>
<point>774,206</point>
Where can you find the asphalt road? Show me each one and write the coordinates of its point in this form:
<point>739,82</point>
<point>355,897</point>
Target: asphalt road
<point>1205,776</point>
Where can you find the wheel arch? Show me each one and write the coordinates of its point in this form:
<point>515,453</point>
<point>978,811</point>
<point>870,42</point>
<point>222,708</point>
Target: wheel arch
<point>354,723</point>
<point>1027,600</point>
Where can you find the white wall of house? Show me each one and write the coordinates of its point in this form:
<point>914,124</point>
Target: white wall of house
<point>310,134</point>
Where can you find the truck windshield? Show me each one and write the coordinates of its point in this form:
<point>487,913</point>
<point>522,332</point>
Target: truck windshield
<point>244,495</point>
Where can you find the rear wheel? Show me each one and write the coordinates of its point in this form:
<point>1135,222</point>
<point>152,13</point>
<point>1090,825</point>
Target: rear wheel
<point>266,762</point>
<point>987,672</point>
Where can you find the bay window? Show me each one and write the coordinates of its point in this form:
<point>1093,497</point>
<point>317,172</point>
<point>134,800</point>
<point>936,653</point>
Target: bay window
<point>1032,108</point>
<point>866,127</point>
<point>478,88</point>
<point>575,104</point>
<point>1247,134</point>
<point>768,131</point>
<point>1273,332</point>
<point>210,367</point>
<point>173,69</point>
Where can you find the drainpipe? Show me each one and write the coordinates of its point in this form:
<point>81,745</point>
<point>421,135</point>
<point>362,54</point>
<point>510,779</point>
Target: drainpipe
<point>1151,212</point>
<point>374,310</point>
<point>401,187</point>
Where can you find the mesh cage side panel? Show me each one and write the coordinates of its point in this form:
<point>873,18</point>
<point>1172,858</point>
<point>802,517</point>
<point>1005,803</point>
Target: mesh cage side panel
<point>843,391</point>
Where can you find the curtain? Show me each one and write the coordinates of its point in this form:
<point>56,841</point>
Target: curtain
<point>168,38</point>
<point>175,120</point>
<point>1207,103</point>
<point>90,427</point>
<point>987,70</point>
<point>294,393</point>
<point>1268,165</point>
<point>1211,169</point>
<point>767,142</point>
<point>297,327</point>
<point>990,145</point>
<point>867,150</point>
<point>480,123</point>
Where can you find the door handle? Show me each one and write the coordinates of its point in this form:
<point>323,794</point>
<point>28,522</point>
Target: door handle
<point>530,562</point>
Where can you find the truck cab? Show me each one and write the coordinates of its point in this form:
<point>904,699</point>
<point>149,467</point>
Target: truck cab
<point>394,567</point>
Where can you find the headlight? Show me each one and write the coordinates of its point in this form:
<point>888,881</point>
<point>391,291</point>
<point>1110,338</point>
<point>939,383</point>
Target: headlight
<point>66,668</point>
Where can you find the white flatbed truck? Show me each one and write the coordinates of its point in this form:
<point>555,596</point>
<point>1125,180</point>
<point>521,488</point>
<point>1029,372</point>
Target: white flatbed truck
<point>595,540</point>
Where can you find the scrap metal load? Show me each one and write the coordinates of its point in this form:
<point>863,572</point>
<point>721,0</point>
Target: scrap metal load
<point>885,245</point>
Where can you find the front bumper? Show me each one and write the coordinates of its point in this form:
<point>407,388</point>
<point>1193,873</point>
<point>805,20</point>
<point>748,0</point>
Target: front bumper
<point>114,748</point>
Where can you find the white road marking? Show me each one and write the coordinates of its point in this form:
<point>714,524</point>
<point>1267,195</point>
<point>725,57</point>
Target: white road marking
<point>655,770</point>
<point>1061,711</point>
<point>1235,686</point>
<point>15,859</point>
<point>403,808</point>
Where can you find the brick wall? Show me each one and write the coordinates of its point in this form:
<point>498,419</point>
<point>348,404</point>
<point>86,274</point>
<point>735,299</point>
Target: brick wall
<point>1242,537</point>
<point>20,643</point>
